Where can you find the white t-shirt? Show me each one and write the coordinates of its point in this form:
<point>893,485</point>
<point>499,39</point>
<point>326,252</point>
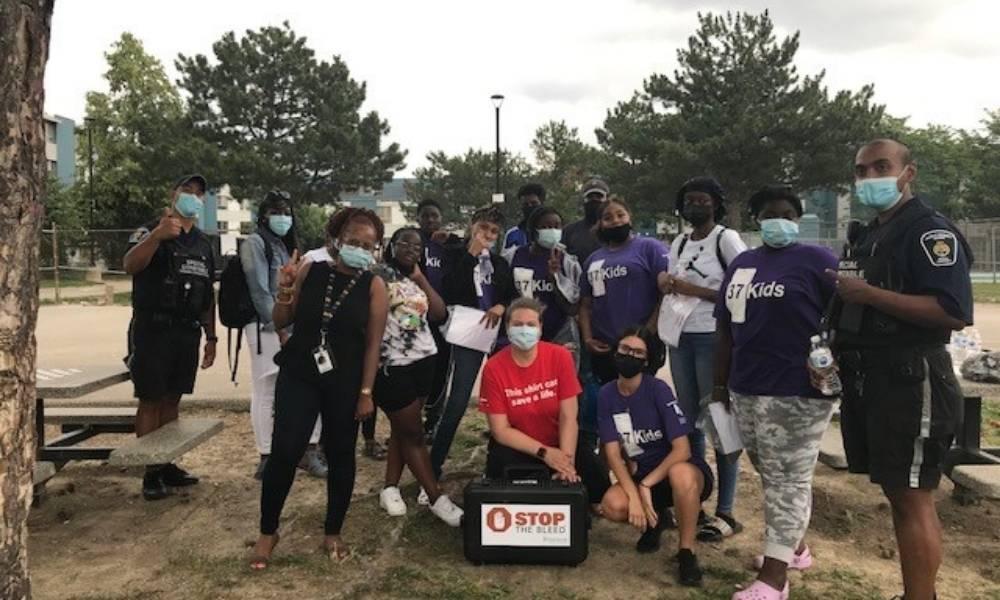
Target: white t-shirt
<point>699,264</point>
<point>318,255</point>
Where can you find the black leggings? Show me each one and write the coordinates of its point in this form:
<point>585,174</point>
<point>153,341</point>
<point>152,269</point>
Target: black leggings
<point>297,402</point>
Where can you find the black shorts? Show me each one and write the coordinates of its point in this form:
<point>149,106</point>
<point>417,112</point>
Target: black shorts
<point>663,495</point>
<point>164,359</point>
<point>901,409</point>
<point>398,387</point>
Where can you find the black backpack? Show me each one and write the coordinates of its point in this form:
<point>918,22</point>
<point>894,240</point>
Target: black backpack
<point>718,247</point>
<point>236,309</point>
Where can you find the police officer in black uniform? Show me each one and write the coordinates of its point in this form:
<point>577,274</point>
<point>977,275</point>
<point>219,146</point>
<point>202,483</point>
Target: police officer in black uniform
<point>903,286</point>
<point>172,266</point>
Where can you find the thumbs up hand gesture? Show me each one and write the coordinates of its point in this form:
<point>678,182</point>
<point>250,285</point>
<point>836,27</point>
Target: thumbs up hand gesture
<point>169,226</point>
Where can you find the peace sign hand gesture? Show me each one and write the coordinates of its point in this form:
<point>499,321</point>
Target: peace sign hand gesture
<point>288,272</point>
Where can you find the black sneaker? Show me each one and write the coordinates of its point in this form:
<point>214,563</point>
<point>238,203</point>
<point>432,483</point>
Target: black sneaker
<point>689,573</point>
<point>174,476</point>
<point>153,487</point>
<point>649,541</point>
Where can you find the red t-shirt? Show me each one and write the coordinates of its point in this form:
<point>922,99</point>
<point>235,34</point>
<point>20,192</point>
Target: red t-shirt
<point>530,396</point>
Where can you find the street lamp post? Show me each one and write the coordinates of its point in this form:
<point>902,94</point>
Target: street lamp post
<point>497,102</point>
<point>90,185</point>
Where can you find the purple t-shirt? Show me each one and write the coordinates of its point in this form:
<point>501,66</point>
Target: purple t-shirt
<point>433,262</point>
<point>773,300</point>
<point>645,423</point>
<point>622,286</point>
<point>542,287</point>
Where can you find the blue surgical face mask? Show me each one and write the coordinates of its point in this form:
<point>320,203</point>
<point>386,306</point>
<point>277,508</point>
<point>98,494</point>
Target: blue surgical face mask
<point>880,193</point>
<point>524,337</point>
<point>279,224</point>
<point>778,233</point>
<point>188,205</point>
<point>356,258</point>
<point>548,238</point>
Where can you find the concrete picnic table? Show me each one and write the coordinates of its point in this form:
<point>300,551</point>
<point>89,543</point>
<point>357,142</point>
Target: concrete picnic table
<point>74,383</point>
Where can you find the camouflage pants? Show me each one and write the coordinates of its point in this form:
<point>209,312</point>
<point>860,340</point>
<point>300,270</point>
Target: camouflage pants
<point>782,435</point>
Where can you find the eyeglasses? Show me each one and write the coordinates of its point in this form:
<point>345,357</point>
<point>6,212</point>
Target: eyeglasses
<point>415,246</point>
<point>359,244</point>
<point>633,352</point>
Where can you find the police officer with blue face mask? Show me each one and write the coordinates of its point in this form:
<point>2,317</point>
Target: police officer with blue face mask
<point>903,286</point>
<point>172,264</point>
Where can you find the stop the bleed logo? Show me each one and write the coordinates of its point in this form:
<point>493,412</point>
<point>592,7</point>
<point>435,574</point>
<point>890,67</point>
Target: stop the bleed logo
<point>525,525</point>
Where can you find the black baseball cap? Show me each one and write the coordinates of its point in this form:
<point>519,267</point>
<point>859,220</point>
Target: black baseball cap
<point>193,177</point>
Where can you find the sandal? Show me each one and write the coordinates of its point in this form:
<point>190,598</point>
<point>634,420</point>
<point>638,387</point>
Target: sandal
<point>374,450</point>
<point>761,591</point>
<point>717,529</point>
<point>259,562</point>
<point>337,551</point>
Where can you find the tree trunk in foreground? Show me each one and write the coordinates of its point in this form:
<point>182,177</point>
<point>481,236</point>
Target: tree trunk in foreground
<point>24,50</point>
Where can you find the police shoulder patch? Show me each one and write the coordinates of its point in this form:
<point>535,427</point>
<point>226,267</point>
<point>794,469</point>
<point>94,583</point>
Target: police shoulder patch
<point>940,246</point>
<point>138,235</point>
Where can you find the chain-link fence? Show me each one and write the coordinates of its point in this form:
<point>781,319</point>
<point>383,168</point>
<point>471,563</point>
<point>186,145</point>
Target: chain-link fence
<point>83,264</point>
<point>983,237</point>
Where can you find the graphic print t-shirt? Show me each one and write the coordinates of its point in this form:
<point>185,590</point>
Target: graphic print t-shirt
<point>531,278</point>
<point>530,396</point>
<point>622,285</point>
<point>645,423</point>
<point>773,300</point>
<point>407,336</point>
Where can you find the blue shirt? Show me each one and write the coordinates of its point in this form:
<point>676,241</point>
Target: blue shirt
<point>515,237</point>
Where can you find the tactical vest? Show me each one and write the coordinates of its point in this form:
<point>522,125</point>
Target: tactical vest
<point>870,257</point>
<point>185,291</point>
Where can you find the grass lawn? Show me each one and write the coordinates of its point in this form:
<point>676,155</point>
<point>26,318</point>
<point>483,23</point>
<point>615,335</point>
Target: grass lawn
<point>986,292</point>
<point>991,423</point>
<point>68,279</point>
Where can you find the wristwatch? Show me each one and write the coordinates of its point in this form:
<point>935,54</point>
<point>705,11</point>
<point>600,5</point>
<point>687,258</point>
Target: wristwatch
<point>366,391</point>
<point>540,453</point>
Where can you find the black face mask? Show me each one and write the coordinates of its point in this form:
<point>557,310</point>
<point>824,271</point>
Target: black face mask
<point>697,214</point>
<point>527,210</point>
<point>614,235</point>
<point>628,366</point>
<point>592,211</point>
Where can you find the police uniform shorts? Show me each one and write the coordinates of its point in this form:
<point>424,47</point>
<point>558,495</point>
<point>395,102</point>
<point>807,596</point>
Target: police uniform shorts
<point>164,359</point>
<point>398,387</point>
<point>901,408</point>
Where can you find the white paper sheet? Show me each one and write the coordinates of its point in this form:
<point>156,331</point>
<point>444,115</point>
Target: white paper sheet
<point>726,428</point>
<point>674,312</point>
<point>464,329</point>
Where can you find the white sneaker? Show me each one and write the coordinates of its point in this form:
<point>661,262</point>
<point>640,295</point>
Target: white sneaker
<point>444,509</point>
<point>423,499</point>
<point>391,500</point>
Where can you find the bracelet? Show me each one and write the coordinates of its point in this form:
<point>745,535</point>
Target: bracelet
<point>286,290</point>
<point>278,300</point>
<point>366,391</point>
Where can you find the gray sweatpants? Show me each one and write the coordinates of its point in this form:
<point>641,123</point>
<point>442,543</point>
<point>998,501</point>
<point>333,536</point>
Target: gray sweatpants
<point>782,435</point>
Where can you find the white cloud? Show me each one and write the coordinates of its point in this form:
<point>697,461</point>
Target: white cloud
<point>431,66</point>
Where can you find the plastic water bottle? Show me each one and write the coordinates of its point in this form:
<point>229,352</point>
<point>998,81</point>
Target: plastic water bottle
<point>821,360</point>
<point>959,348</point>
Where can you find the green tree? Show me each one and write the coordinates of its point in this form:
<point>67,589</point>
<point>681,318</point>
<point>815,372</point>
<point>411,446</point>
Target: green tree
<point>983,197</point>
<point>284,119</point>
<point>947,165</point>
<point>463,182</point>
<point>736,108</point>
<point>65,210</point>
<point>563,163</point>
<point>310,220</point>
<point>143,141</point>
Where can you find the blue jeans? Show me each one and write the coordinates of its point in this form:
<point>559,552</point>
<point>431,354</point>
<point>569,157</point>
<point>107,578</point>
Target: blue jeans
<point>463,370</point>
<point>692,365</point>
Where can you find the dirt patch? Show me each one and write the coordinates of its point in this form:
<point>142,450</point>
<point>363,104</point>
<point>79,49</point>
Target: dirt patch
<point>100,540</point>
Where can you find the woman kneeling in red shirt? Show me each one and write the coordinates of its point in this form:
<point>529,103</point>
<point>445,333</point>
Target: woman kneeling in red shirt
<point>529,392</point>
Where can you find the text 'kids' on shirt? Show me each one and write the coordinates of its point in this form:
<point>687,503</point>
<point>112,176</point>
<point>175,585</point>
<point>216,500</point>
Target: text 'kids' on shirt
<point>530,396</point>
<point>772,300</point>
<point>622,285</point>
<point>645,423</point>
